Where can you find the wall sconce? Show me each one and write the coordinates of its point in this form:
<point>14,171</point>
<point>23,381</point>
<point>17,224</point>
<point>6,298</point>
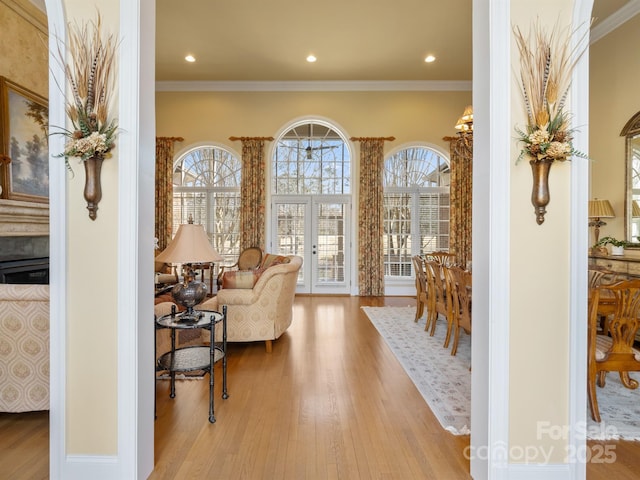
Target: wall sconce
<point>599,209</point>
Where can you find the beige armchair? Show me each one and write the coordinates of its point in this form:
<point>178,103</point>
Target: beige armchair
<point>263,310</point>
<point>24,348</point>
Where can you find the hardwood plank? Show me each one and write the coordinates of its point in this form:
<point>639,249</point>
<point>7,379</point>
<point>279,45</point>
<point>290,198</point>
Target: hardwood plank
<point>330,402</point>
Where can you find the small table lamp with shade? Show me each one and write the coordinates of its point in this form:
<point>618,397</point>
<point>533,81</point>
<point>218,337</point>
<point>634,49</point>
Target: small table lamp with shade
<point>190,245</point>
<point>599,209</point>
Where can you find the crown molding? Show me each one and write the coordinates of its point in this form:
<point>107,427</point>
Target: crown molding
<point>316,86</point>
<point>616,19</point>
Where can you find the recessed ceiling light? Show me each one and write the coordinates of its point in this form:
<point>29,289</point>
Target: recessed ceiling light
<point>311,58</point>
<point>429,59</point>
<point>190,58</point>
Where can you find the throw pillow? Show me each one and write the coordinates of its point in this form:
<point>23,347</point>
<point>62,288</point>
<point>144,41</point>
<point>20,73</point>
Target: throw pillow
<point>270,260</point>
<point>241,278</point>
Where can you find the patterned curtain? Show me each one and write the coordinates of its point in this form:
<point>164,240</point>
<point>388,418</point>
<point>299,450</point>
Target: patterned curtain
<point>461,189</point>
<point>164,189</point>
<point>370,217</point>
<point>252,193</point>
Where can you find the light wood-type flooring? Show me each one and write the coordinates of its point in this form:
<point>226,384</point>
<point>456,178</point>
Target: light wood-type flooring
<point>330,402</point>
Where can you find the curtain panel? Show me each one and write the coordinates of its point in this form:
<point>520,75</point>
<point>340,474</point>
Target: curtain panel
<point>461,188</point>
<point>164,189</point>
<point>252,193</point>
<point>370,217</point>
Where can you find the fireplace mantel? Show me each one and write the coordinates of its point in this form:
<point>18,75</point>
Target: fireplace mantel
<point>19,219</point>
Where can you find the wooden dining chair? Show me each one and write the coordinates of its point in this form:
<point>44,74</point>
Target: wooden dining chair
<point>460,282</point>
<point>613,352</point>
<point>442,299</point>
<point>601,276</point>
<point>430,281</point>
<point>421,286</point>
<point>443,258</point>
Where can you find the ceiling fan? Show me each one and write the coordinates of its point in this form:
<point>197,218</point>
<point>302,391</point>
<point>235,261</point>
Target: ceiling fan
<point>309,149</point>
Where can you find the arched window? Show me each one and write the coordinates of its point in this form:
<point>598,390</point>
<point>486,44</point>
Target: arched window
<point>206,185</point>
<point>311,159</point>
<point>416,207</point>
<point>311,204</point>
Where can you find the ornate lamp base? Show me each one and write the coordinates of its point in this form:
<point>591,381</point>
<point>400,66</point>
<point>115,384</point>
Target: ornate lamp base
<point>189,294</point>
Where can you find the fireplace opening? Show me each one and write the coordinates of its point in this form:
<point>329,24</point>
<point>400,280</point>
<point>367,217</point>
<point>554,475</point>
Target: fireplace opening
<point>25,270</point>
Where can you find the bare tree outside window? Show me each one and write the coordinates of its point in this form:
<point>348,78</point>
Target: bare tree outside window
<point>311,159</point>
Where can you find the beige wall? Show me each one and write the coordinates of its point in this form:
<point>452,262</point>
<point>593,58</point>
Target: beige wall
<point>539,280</point>
<point>614,99</point>
<point>215,116</point>
<point>92,301</point>
<point>23,43</point>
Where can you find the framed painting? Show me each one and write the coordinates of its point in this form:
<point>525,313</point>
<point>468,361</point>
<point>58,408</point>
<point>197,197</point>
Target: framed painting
<point>24,143</point>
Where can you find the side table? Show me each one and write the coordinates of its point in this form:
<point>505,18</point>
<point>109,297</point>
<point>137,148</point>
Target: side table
<point>198,357</point>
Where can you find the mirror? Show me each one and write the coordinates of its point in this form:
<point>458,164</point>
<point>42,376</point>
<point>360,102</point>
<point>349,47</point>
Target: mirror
<point>632,204</point>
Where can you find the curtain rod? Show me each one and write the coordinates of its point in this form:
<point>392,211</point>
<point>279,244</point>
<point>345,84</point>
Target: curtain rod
<point>354,139</point>
<point>233,139</point>
<point>175,139</point>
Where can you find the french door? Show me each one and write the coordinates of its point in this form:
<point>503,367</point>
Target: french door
<point>317,228</point>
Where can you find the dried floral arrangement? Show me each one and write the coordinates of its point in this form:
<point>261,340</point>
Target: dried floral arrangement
<point>547,61</point>
<point>90,72</point>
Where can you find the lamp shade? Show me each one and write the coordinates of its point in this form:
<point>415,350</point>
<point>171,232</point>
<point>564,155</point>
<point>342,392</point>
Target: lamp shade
<point>190,245</point>
<point>635,209</point>
<point>600,209</point>
<point>465,122</point>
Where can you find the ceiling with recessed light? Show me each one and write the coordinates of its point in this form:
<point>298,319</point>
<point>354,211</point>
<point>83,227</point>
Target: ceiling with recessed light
<point>361,40</point>
<point>257,40</point>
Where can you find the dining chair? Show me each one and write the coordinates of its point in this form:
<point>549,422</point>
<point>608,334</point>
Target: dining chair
<point>430,281</point>
<point>613,352</point>
<point>442,298</point>
<point>421,286</point>
<point>601,276</point>
<point>442,257</point>
<point>460,282</point>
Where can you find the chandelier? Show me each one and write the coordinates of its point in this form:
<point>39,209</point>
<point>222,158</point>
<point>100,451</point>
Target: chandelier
<point>463,144</point>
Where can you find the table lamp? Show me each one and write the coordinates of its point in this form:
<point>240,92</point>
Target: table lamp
<point>190,245</point>
<point>599,209</point>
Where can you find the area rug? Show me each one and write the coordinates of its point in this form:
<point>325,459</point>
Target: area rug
<point>444,381</point>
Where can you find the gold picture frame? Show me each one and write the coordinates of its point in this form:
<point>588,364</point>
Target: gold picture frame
<point>24,143</point>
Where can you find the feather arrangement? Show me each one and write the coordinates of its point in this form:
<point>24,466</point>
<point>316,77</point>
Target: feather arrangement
<point>90,72</point>
<point>547,61</point>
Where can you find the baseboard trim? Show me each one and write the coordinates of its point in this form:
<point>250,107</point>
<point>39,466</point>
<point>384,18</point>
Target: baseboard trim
<point>96,467</point>
<point>562,471</point>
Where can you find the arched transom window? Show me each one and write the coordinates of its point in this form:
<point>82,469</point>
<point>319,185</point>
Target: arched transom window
<point>311,159</point>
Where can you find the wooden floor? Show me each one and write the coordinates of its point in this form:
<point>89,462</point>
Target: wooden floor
<point>330,402</point>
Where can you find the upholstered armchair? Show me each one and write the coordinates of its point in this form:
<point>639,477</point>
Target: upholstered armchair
<point>249,259</point>
<point>259,302</point>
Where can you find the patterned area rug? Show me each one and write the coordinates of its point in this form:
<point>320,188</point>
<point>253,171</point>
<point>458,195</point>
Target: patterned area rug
<point>444,381</point>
